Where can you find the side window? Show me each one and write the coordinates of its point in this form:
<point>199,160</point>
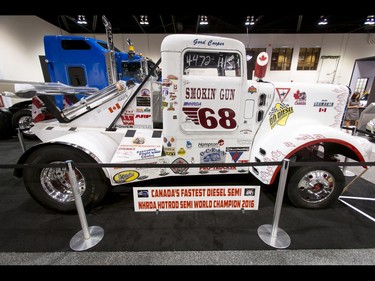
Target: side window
<point>212,64</point>
<point>75,45</point>
<point>77,76</point>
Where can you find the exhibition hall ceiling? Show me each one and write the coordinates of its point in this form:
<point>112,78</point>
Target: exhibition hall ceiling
<point>214,23</point>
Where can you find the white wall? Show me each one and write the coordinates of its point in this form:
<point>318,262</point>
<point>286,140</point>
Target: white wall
<point>22,43</point>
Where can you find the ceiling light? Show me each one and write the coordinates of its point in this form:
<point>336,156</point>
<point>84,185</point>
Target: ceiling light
<point>81,19</point>
<point>203,20</point>
<point>370,20</point>
<point>144,20</point>
<point>323,20</point>
<point>249,21</point>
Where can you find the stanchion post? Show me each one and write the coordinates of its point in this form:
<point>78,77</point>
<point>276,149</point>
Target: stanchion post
<point>272,234</point>
<point>88,237</point>
<point>20,138</point>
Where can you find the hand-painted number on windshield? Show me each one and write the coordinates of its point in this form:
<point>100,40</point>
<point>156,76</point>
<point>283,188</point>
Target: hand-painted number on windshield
<point>208,120</point>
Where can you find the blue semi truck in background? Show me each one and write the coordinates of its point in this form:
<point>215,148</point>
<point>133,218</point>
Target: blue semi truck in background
<point>84,61</point>
<point>77,61</point>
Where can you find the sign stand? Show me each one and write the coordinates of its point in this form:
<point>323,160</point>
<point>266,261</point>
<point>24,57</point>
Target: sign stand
<point>88,237</point>
<point>272,234</point>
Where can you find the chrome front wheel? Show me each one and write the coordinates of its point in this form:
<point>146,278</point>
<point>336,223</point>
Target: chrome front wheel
<point>315,187</point>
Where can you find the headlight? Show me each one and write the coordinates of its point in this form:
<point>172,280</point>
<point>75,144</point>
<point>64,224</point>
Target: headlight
<point>371,122</point>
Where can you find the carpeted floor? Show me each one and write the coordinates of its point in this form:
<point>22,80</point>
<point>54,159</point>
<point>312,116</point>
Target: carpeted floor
<point>27,227</point>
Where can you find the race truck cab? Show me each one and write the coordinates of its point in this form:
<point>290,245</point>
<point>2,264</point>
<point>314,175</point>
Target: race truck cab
<point>211,114</point>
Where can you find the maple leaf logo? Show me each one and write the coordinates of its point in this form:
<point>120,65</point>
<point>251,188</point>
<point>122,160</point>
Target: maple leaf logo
<point>263,58</point>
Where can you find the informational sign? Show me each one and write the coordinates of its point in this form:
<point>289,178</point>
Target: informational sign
<point>139,146</point>
<point>195,198</point>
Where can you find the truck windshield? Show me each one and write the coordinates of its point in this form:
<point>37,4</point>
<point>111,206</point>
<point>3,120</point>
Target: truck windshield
<point>212,64</point>
<point>137,70</point>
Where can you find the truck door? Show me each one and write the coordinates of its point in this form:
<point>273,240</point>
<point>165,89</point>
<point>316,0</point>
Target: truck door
<point>211,86</point>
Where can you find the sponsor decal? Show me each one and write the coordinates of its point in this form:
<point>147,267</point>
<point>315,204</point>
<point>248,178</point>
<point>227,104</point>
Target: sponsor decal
<point>170,107</point>
<point>125,176</point>
<point>212,155</point>
<point>169,148</point>
<point>169,141</point>
<point>170,151</point>
<point>282,92</point>
<point>164,104</point>
<point>172,96</point>
<point>181,151</point>
<point>188,144</point>
<point>165,92</point>
<point>246,131</point>
<point>172,77</point>
<point>139,140</point>
<point>207,144</point>
<point>251,89</point>
<point>323,103</point>
<point>182,170</point>
<point>192,103</point>
<point>143,101</point>
<point>145,92</point>
<point>148,153</point>
<point>279,114</point>
<point>142,193</point>
<point>128,120</point>
<point>300,98</point>
<point>166,82</point>
<point>236,152</point>
<point>143,116</point>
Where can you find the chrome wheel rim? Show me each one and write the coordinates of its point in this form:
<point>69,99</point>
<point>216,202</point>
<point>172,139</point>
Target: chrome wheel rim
<point>56,183</point>
<point>316,186</point>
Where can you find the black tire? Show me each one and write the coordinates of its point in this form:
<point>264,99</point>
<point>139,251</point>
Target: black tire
<point>23,120</point>
<point>315,187</point>
<point>6,128</point>
<point>50,187</point>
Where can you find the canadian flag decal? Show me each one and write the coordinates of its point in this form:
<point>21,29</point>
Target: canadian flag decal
<point>115,107</point>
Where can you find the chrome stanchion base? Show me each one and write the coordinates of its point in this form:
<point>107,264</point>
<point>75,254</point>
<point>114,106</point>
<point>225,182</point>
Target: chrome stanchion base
<point>281,241</point>
<point>79,243</point>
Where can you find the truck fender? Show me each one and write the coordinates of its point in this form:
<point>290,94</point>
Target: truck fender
<point>99,146</point>
<point>275,146</point>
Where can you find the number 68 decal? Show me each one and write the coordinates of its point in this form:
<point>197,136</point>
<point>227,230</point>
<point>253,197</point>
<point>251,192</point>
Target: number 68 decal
<point>209,120</point>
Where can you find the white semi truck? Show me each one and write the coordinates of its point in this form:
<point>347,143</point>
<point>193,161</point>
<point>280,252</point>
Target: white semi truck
<point>208,113</point>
